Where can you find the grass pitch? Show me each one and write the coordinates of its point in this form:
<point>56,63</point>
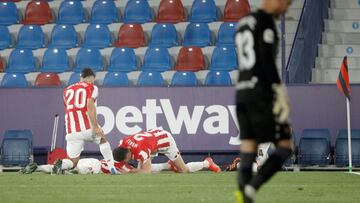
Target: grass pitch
<point>200,187</point>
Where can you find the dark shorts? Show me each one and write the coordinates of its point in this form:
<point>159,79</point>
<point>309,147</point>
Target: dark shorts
<point>257,122</point>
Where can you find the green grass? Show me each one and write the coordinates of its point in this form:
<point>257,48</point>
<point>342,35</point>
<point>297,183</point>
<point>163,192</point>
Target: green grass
<point>207,187</point>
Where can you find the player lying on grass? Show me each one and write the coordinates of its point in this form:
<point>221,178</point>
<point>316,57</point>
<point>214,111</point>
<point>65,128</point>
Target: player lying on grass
<point>84,166</point>
<point>143,146</point>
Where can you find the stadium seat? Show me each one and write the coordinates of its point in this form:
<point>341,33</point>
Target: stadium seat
<point>8,13</point>
<point>314,147</point>
<point>218,78</point>
<point>203,11</point>
<point>341,148</point>
<point>74,78</point>
<point>184,78</point>
<point>226,34</point>
<point>47,80</point>
<point>30,37</point>
<point>197,34</point>
<point>236,9</point>
<point>224,59</point>
<point>37,13</point>
<point>137,11</point>
<point>104,12</point>
<point>88,57</point>
<point>14,80</point>
<point>122,60</point>
<point>5,40</point>
<point>97,36</point>
<point>71,12</point>
<point>116,79</point>
<point>55,60</point>
<point>152,78</point>
<point>21,61</point>
<point>170,11</point>
<point>190,59</point>
<point>2,67</point>
<point>16,148</point>
<point>64,36</point>
<point>164,35</point>
<point>156,59</point>
<point>131,35</point>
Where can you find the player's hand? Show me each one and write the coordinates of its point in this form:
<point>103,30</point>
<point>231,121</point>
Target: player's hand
<point>99,132</point>
<point>281,107</point>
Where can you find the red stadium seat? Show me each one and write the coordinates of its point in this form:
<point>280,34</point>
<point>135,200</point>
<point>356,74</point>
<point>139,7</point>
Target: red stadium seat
<point>236,9</point>
<point>37,13</point>
<point>190,59</point>
<point>171,11</point>
<point>131,35</point>
<point>47,80</point>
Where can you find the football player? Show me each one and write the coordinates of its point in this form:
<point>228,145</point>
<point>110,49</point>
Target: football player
<point>261,100</point>
<point>146,145</point>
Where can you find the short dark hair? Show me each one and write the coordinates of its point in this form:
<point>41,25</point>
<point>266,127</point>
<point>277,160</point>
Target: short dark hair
<point>120,153</point>
<point>86,72</point>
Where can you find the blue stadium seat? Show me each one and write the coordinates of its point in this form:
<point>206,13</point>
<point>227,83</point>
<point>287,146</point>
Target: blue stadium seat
<point>164,35</point>
<point>314,147</point>
<point>30,37</point>
<point>88,57</point>
<point>104,11</point>
<point>218,78</point>
<point>137,11</point>
<point>122,60</point>
<point>8,13</point>
<point>97,36</point>
<point>14,80</point>
<point>55,60</point>
<point>21,61</point>
<point>203,11</point>
<point>156,59</point>
<point>17,148</point>
<point>184,78</point>
<point>197,34</point>
<point>5,39</point>
<point>341,148</point>
<point>74,78</point>
<point>224,59</point>
<point>226,34</point>
<point>71,12</point>
<point>150,78</point>
<point>64,36</point>
<point>116,79</point>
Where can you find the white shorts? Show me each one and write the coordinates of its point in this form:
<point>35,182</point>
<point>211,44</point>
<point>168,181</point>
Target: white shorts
<point>172,151</point>
<point>88,166</point>
<point>75,142</point>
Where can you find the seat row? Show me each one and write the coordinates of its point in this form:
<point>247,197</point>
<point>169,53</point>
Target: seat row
<point>119,79</point>
<point>315,148</point>
<point>129,35</point>
<point>136,11</point>
<point>122,60</point>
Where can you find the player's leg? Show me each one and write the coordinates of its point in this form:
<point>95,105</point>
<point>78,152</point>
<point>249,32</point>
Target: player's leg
<point>88,166</point>
<point>155,168</point>
<point>106,152</point>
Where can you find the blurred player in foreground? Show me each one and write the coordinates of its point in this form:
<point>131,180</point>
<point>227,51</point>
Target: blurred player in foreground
<point>84,167</point>
<point>81,123</point>
<point>145,145</point>
<point>262,102</point>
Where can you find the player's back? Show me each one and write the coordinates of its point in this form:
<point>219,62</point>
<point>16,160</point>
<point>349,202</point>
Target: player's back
<point>257,43</point>
<point>75,99</point>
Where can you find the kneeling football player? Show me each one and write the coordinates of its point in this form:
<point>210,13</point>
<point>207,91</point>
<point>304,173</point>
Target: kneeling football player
<point>143,146</point>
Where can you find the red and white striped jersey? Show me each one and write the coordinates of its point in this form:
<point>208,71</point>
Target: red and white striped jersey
<point>75,100</point>
<point>143,144</point>
<point>118,165</point>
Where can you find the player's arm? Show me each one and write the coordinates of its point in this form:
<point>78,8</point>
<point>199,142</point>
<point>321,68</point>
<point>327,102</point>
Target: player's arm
<point>92,114</point>
<point>145,167</point>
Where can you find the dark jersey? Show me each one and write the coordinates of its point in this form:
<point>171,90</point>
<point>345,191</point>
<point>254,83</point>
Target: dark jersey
<point>257,42</point>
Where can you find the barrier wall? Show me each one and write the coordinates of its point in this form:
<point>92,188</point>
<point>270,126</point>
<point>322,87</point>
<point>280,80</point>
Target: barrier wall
<point>201,118</point>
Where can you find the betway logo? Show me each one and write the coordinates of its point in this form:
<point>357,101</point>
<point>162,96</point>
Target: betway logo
<point>128,118</point>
